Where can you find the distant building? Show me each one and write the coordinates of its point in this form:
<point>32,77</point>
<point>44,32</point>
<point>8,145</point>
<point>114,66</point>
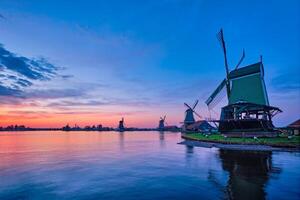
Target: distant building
<point>99,127</point>
<point>295,127</point>
<point>200,126</point>
<point>171,128</point>
<point>66,128</point>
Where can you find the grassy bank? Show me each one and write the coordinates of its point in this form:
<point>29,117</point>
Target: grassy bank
<point>280,141</point>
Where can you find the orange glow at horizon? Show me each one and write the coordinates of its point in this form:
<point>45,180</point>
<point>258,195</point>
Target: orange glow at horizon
<point>39,115</point>
<point>53,120</point>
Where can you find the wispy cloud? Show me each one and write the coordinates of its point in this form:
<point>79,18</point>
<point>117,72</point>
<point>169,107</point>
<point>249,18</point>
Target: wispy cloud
<point>2,17</point>
<point>66,103</point>
<point>6,91</point>
<point>19,72</point>
<point>34,69</point>
<point>287,82</point>
<point>54,93</point>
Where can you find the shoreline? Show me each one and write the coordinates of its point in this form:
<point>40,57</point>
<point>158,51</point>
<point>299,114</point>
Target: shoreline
<point>190,141</point>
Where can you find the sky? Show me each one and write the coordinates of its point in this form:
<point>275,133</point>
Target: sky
<point>93,62</point>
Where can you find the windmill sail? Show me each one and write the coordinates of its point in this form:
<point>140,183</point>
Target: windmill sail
<point>220,37</point>
<point>248,85</point>
<point>215,96</point>
<point>241,60</point>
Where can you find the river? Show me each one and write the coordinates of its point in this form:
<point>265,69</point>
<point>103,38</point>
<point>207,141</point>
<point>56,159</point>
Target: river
<point>138,165</point>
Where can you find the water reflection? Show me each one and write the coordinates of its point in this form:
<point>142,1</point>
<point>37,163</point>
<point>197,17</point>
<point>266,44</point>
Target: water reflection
<point>161,135</point>
<point>189,150</point>
<point>121,140</point>
<point>162,138</point>
<point>249,173</point>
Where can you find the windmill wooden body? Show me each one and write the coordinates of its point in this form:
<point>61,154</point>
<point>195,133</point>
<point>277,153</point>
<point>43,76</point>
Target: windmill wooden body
<point>248,112</point>
<point>189,115</point>
<point>121,126</point>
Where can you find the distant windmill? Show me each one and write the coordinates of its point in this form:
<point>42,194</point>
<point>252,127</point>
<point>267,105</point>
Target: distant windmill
<point>161,124</point>
<point>189,114</point>
<point>121,125</point>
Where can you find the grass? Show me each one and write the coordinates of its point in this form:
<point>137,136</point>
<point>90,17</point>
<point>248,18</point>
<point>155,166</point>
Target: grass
<point>280,141</point>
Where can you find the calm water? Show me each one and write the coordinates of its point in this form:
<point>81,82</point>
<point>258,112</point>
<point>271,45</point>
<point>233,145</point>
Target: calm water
<point>138,165</point>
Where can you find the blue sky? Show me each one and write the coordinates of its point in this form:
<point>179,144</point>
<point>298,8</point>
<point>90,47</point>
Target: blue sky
<point>142,59</point>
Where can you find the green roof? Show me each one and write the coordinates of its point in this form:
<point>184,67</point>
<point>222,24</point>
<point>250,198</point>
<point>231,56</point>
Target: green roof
<point>247,84</point>
<point>244,71</point>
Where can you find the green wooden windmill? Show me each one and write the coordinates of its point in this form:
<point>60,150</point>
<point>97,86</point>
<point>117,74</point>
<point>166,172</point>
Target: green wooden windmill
<point>248,112</point>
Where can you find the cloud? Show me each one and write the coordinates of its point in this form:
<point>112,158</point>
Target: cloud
<point>10,100</point>
<point>77,103</point>
<point>34,69</point>
<point>12,115</point>
<point>286,83</point>
<point>54,93</point>
<point>67,76</point>
<point>103,113</point>
<point>104,102</point>
<point>2,17</point>
<point>18,72</point>
<point>23,82</point>
<point>5,91</point>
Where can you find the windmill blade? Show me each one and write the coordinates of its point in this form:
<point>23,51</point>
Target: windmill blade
<point>195,104</point>
<point>220,37</point>
<point>165,117</point>
<point>241,59</point>
<point>215,93</point>
<point>218,99</point>
<point>187,105</point>
<point>198,114</point>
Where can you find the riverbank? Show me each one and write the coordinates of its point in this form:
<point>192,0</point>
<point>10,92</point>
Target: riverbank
<point>218,140</point>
